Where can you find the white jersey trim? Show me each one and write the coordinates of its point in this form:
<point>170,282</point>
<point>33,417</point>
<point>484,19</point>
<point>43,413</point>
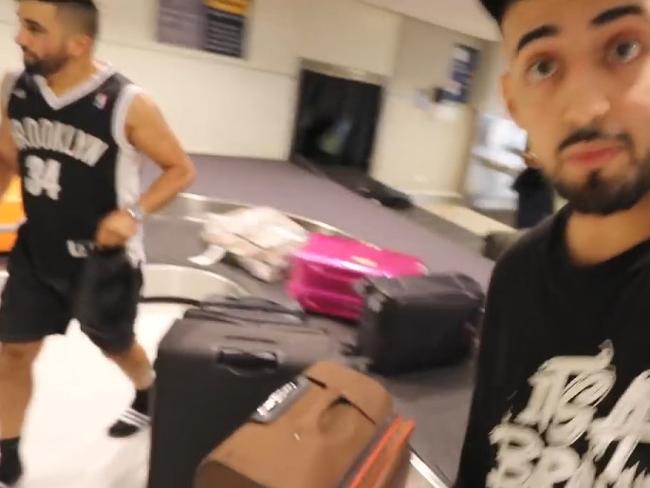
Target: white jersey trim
<point>120,114</point>
<point>128,166</point>
<point>103,73</point>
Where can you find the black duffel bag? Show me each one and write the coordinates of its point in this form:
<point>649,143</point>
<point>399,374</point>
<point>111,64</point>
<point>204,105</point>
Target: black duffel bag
<point>418,322</point>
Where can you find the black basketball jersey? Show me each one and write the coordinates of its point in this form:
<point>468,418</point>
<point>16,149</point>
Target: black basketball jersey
<point>76,164</point>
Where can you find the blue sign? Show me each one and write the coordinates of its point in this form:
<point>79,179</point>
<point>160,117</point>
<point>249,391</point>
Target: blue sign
<point>465,61</point>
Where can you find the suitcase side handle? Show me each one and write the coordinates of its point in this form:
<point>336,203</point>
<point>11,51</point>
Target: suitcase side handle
<point>344,275</point>
<point>246,363</point>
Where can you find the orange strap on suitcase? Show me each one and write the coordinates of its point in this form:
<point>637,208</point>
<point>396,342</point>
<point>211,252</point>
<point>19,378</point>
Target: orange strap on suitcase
<point>386,465</point>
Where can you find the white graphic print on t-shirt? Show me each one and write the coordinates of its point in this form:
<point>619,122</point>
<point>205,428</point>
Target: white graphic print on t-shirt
<point>537,447</point>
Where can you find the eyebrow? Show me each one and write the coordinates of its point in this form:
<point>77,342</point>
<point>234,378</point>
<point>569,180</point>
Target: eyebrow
<point>604,18</point>
<point>33,24</point>
<point>536,34</point>
<point>616,13</point>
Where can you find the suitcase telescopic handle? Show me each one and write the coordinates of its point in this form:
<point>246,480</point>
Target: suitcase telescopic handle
<point>247,363</point>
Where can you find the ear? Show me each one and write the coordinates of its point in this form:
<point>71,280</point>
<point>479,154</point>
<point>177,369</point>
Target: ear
<point>79,44</point>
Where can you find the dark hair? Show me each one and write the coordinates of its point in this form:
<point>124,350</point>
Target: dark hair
<point>84,12</point>
<point>497,8</point>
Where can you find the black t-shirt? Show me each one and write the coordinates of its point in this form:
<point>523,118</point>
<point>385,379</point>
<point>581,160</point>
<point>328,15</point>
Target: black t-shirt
<point>563,382</point>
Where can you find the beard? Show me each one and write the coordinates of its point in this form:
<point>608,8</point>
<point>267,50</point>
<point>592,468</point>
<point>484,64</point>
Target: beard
<point>600,196</point>
<point>46,66</point>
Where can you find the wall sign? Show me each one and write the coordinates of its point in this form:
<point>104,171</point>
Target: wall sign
<point>464,63</point>
<point>218,26</point>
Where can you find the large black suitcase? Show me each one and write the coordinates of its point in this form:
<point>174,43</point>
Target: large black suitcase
<point>210,378</point>
<point>418,322</point>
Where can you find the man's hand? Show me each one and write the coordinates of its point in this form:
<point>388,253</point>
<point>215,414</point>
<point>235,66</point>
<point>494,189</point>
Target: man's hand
<point>115,230</point>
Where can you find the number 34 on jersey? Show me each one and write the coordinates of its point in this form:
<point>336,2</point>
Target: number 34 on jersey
<point>43,177</point>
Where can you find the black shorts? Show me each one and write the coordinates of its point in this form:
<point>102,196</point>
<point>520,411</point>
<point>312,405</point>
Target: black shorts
<point>33,307</point>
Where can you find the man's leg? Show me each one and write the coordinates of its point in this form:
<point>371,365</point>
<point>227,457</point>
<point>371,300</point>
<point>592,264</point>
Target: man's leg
<point>136,365</point>
<point>109,292</point>
<point>30,310</point>
<point>16,362</point>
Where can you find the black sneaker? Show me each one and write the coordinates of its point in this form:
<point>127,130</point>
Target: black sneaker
<point>130,422</point>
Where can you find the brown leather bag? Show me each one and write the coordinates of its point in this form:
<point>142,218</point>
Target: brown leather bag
<point>332,427</point>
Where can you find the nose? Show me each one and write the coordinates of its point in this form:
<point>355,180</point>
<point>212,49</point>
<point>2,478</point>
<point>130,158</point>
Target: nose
<point>21,36</point>
<point>586,100</point>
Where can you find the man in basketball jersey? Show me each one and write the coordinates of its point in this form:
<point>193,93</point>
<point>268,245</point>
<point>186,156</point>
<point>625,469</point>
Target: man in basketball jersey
<point>76,132</point>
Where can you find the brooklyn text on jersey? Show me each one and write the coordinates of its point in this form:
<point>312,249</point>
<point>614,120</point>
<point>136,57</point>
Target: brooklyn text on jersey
<point>58,137</point>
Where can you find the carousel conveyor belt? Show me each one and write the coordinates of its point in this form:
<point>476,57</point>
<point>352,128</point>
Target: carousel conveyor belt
<point>164,282</point>
<point>438,400</point>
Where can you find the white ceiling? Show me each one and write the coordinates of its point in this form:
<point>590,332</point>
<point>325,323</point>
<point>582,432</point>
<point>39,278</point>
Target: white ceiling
<point>466,16</point>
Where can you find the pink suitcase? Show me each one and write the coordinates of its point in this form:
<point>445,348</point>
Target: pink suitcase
<point>325,270</point>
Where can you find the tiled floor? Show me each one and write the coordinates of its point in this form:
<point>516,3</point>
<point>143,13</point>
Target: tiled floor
<point>466,218</point>
<point>78,394</point>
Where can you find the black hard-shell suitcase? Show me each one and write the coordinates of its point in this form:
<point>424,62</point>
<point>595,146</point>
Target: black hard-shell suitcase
<point>418,322</point>
<point>211,377</point>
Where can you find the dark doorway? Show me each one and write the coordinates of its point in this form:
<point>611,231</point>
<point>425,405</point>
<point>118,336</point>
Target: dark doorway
<point>336,121</point>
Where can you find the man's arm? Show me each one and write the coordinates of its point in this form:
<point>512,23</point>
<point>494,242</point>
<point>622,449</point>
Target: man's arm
<point>148,132</point>
<point>8,149</point>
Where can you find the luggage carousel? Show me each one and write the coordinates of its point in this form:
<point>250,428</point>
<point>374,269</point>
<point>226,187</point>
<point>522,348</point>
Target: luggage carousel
<point>438,400</point>
<point>171,282</point>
